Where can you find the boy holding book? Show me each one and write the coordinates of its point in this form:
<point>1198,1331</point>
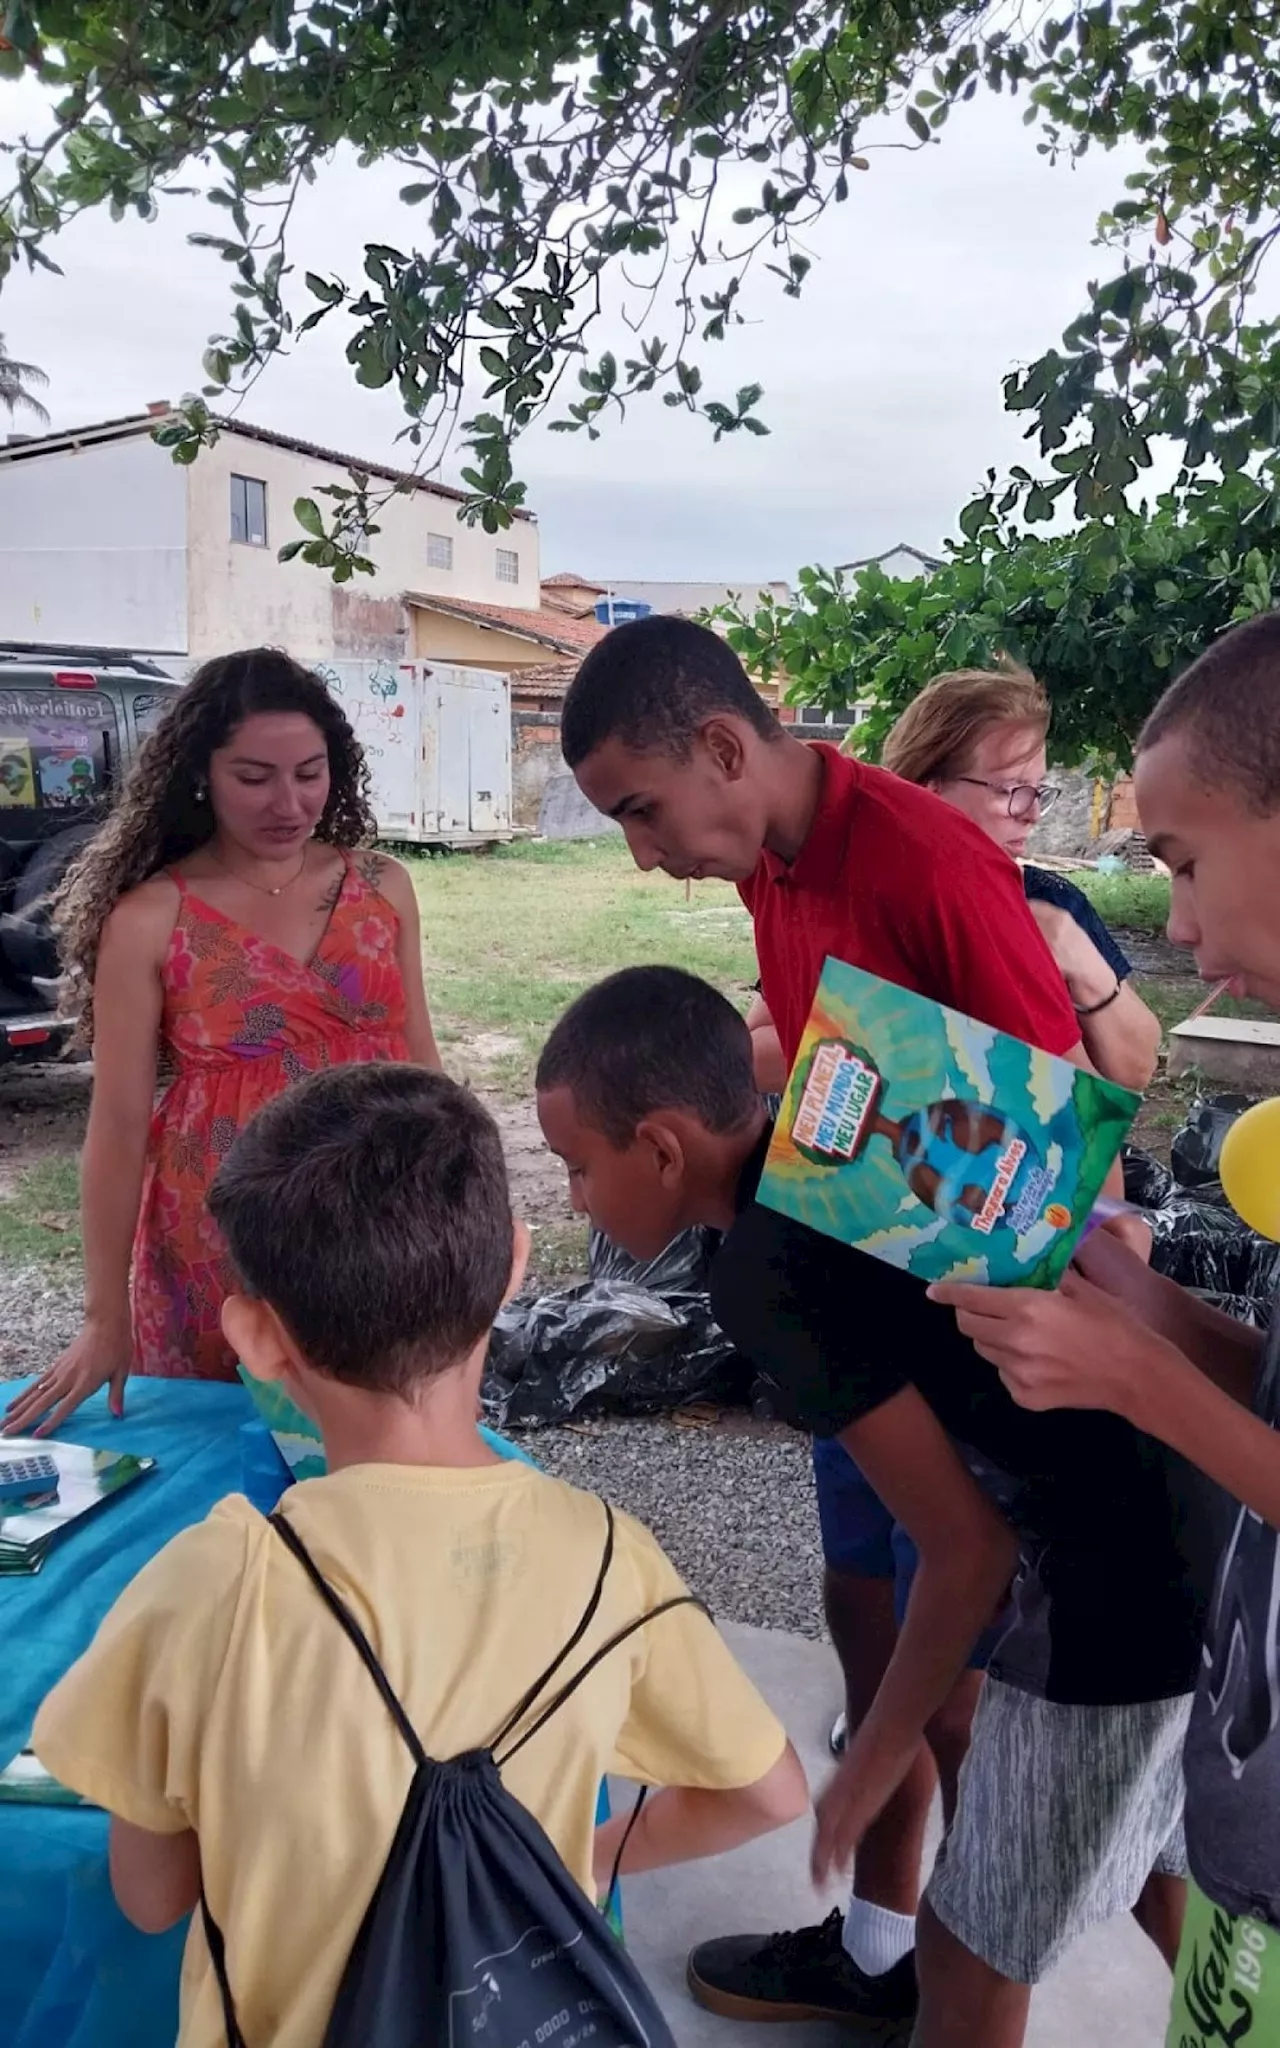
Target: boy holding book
<point>1119,1337</point>
<point>1070,1804</point>
<point>219,1716</point>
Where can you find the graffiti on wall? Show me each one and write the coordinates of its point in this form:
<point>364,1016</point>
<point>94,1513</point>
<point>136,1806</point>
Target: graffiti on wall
<point>372,702</point>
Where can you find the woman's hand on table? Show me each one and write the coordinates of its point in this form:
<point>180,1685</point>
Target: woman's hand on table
<point>100,1356</point>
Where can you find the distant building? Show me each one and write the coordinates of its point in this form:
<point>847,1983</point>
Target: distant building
<point>505,637</point>
<point>903,562</point>
<point>572,593</point>
<point>687,600</point>
<point>106,541</point>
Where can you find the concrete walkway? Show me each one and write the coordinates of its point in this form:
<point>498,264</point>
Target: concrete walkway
<point>1112,1991</point>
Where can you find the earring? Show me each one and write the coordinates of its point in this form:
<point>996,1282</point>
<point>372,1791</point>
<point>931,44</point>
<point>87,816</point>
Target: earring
<point>199,792</point>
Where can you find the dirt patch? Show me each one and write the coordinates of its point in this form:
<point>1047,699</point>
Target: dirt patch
<point>539,1188</point>
<point>43,1111</point>
<point>489,1045</point>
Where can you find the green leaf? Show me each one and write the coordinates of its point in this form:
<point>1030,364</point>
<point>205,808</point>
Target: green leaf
<point>309,517</point>
<point>975,517</point>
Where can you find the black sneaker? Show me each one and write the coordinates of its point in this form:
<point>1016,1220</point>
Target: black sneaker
<point>808,1975</point>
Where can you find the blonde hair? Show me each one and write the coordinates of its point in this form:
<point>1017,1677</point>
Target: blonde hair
<point>938,729</point>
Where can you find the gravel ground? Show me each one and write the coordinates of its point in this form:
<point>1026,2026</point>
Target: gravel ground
<point>39,1315</point>
<point>731,1501</point>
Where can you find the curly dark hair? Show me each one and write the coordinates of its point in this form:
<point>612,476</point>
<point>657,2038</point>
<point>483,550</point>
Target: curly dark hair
<point>162,813</point>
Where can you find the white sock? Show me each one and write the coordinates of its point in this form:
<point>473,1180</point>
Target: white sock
<point>875,1938</point>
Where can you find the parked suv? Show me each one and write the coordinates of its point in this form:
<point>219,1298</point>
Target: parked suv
<point>71,722</point>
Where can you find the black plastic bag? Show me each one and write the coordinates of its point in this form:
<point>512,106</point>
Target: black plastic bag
<point>1197,1148</point>
<point>1147,1184</point>
<point>1209,1249</point>
<point>681,1269</point>
<point>1198,1240</point>
<point>635,1339</point>
<point>601,1348</point>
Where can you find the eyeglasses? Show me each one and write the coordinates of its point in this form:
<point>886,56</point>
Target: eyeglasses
<point>1023,797</point>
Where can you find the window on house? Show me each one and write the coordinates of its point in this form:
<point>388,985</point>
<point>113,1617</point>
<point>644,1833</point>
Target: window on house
<point>249,511</point>
<point>507,567</point>
<point>817,714</point>
<point>439,551</point>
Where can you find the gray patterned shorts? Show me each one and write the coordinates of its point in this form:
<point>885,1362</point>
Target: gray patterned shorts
<point>1063,1814</point>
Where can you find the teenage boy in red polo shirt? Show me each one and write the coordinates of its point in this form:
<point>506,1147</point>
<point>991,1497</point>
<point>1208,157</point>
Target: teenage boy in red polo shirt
<point>665,733</point>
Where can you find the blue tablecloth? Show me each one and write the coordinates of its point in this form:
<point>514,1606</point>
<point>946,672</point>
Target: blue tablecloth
<point>73,1972</point>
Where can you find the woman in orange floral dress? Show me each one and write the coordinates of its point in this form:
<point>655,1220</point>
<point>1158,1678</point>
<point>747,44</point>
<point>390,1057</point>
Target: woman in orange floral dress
<point>223,932</point>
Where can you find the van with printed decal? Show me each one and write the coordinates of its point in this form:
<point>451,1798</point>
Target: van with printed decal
<point>72,722</point>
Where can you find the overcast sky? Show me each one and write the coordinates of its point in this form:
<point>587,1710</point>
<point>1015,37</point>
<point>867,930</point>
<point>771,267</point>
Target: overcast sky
<point>882,383</point>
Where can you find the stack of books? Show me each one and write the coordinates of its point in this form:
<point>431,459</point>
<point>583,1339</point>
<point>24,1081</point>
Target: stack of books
<point>86,1480</point>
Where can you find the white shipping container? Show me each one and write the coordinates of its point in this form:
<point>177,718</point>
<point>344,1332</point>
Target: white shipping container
<point>438,742</point>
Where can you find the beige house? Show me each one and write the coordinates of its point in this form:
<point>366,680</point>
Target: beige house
<point>504,637</point>
<point>106,541</point>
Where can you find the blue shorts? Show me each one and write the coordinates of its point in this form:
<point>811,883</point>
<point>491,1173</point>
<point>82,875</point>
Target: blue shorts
<point>860,1536</point>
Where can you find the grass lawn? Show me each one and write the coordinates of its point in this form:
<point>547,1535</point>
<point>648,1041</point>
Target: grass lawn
<point>1135,903</point>
<point>40,1219</point>
<point>511,937</point>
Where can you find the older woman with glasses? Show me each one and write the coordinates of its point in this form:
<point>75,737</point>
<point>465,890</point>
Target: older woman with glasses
<point>978,737</point>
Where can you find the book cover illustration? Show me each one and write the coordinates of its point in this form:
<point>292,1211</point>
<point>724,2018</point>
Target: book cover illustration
<point>936,1143</point>
<point>25,1782</point>
<point>86,1480</point>
<point>298,1439</point>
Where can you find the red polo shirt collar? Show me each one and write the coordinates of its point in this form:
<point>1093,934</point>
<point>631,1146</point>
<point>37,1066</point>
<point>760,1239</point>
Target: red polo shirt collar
<point>822,854</point>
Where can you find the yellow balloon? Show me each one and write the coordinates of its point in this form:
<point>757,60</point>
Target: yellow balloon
<point>1249,1167</point>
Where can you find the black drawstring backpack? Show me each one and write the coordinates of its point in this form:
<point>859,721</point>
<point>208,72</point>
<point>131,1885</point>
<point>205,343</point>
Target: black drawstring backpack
<point>476,1934</point>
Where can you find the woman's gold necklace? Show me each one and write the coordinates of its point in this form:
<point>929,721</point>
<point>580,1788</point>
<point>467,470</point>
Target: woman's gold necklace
<point>261,887</point>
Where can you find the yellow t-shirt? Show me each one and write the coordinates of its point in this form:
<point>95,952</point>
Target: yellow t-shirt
<point>220,1694</point>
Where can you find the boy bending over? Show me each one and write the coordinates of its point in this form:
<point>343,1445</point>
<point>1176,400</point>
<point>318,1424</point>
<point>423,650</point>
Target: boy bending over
<point>219,1716</point>
<point>1070,1805</point>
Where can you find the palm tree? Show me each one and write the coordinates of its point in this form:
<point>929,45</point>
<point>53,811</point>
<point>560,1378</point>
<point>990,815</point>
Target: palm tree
<point>15,378</point>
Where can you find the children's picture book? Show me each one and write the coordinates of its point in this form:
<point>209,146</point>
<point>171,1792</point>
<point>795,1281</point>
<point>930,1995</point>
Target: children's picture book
<point>87,1479</point>
<point>936,1143</point>
<point>297,1437</point>
<point>25,1782</point>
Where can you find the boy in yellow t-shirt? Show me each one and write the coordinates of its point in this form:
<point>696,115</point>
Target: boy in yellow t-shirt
<point>220,1716</point>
